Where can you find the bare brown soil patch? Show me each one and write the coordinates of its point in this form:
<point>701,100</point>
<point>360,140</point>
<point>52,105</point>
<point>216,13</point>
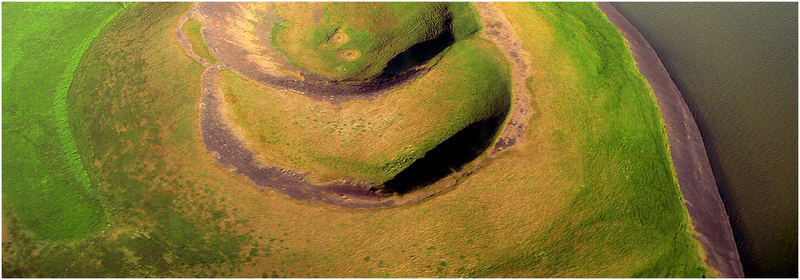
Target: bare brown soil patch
<point>339,38</point>
<point>348,54</point>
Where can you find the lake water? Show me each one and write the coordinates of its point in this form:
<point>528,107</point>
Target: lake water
<point>736,65</point>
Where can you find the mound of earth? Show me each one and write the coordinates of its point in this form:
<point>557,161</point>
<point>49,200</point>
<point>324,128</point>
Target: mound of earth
<point>356,41</point>
<point>372,139</point>
<point>442,79</point>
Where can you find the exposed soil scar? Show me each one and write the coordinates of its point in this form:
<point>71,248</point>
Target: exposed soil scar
<point>499,30</point>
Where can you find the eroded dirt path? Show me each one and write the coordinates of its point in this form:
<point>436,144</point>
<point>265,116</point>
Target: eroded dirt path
<point>498,30</point>
<point>230,151</point>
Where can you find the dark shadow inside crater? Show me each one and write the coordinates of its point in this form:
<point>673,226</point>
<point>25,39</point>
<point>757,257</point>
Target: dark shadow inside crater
<point>421,52</point>
<point>446,158</point>
<point>402,68</point>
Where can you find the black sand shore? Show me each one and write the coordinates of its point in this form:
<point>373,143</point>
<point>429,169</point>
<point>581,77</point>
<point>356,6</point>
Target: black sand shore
<point>696,180</point>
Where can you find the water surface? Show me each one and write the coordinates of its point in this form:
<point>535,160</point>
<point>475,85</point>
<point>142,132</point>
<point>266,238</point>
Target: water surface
<point>736,65</point>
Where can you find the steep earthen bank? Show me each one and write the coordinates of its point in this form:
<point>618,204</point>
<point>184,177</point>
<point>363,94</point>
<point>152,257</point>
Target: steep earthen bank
<point>696,180</point>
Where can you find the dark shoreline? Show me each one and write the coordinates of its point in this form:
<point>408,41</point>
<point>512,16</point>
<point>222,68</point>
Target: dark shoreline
<point>695,178</point>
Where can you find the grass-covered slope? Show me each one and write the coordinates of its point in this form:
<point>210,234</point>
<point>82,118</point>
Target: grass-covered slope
<point>625,215</point>
<point>133,105</point>
<point>192,29</point>
<point>353,41</point>
<point>371,139</point>
<point>44,184</point>
<point>589,193</point>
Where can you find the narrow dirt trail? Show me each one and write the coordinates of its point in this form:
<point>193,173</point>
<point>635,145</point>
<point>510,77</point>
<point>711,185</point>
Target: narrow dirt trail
<point>498,30</point>
<point>230,151</point>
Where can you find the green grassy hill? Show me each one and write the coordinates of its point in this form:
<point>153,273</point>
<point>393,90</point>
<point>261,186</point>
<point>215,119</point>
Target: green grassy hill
<point>589,193</point>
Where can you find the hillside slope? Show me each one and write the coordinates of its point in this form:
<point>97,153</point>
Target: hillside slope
<point>589,191</point>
